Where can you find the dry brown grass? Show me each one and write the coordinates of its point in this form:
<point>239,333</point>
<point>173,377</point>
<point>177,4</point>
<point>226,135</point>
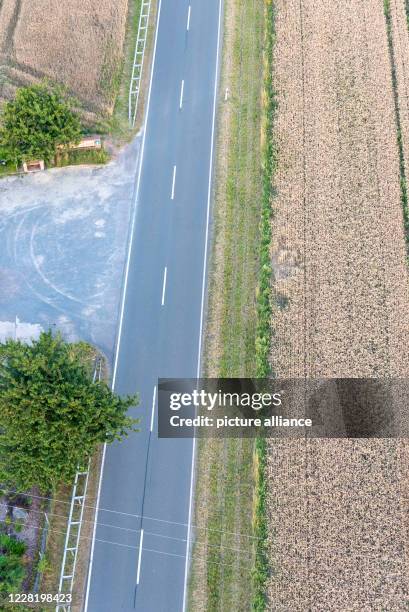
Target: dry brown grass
<point>338,509</point>
<point>76,42</point>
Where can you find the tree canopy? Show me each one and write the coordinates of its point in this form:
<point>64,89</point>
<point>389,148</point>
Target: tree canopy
<point>52,416</point>
<point>39,118</point>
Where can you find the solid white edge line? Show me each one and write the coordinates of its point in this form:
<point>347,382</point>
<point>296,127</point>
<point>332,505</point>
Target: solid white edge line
<point>209,198</point>
<point>165,274</point>
<point>138,574</point>
<point>188,18</point>
<point>172,195</point>
<point>153,408</point>
<point>182,88</point>
<point>123,302</point>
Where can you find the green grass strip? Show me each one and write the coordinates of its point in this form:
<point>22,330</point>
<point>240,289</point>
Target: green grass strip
<point>264,299</point>
<point>118,124</point>
<point>262,565</point>
<point>264,312</point>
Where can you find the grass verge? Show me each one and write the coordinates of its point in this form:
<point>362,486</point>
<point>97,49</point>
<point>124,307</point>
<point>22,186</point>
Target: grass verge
<point>118,125</point>
<point>264,306</point>
<point>261,568</point>
<point>76,158</point>
<point>84,549</point>
<point>227,564</point>
<point>264,309</point>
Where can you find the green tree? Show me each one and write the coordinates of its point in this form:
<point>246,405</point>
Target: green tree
<point>11,573</point>
<point>38,119</point>
<point>52,416</point>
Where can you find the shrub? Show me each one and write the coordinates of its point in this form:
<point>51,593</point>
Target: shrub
<point>11,573</point>
<point>38,119</point>
<point>11,546</point>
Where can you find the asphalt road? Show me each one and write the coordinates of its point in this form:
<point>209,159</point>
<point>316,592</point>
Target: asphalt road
<point>147,481</point>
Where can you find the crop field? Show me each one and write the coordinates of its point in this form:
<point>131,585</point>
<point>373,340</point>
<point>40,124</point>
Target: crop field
<point>338,508</point>
<point>338,520</point>
<point>77,42</point>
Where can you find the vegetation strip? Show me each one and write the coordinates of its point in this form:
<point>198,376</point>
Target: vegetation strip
<point>264,301</point>
<point>402,171</point>
<point>226,474</point>
<point>264,310</point>
<point>118,124</point>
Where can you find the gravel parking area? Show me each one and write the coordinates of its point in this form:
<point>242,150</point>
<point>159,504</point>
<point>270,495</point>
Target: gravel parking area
<point>64,234</point>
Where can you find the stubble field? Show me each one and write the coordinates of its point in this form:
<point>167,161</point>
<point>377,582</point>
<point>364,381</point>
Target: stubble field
<point>338,508</point>
<point>77,42</point>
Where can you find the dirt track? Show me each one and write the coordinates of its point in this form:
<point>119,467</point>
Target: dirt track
<point>338,524</point>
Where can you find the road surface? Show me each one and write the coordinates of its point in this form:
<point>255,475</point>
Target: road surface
<point>139,551</point>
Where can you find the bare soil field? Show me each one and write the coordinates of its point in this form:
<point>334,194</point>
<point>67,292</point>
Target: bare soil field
<point>338,508</point>
<point>77,42</point>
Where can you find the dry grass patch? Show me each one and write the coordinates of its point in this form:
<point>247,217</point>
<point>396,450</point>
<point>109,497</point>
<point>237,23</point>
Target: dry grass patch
<point>119,123</point>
